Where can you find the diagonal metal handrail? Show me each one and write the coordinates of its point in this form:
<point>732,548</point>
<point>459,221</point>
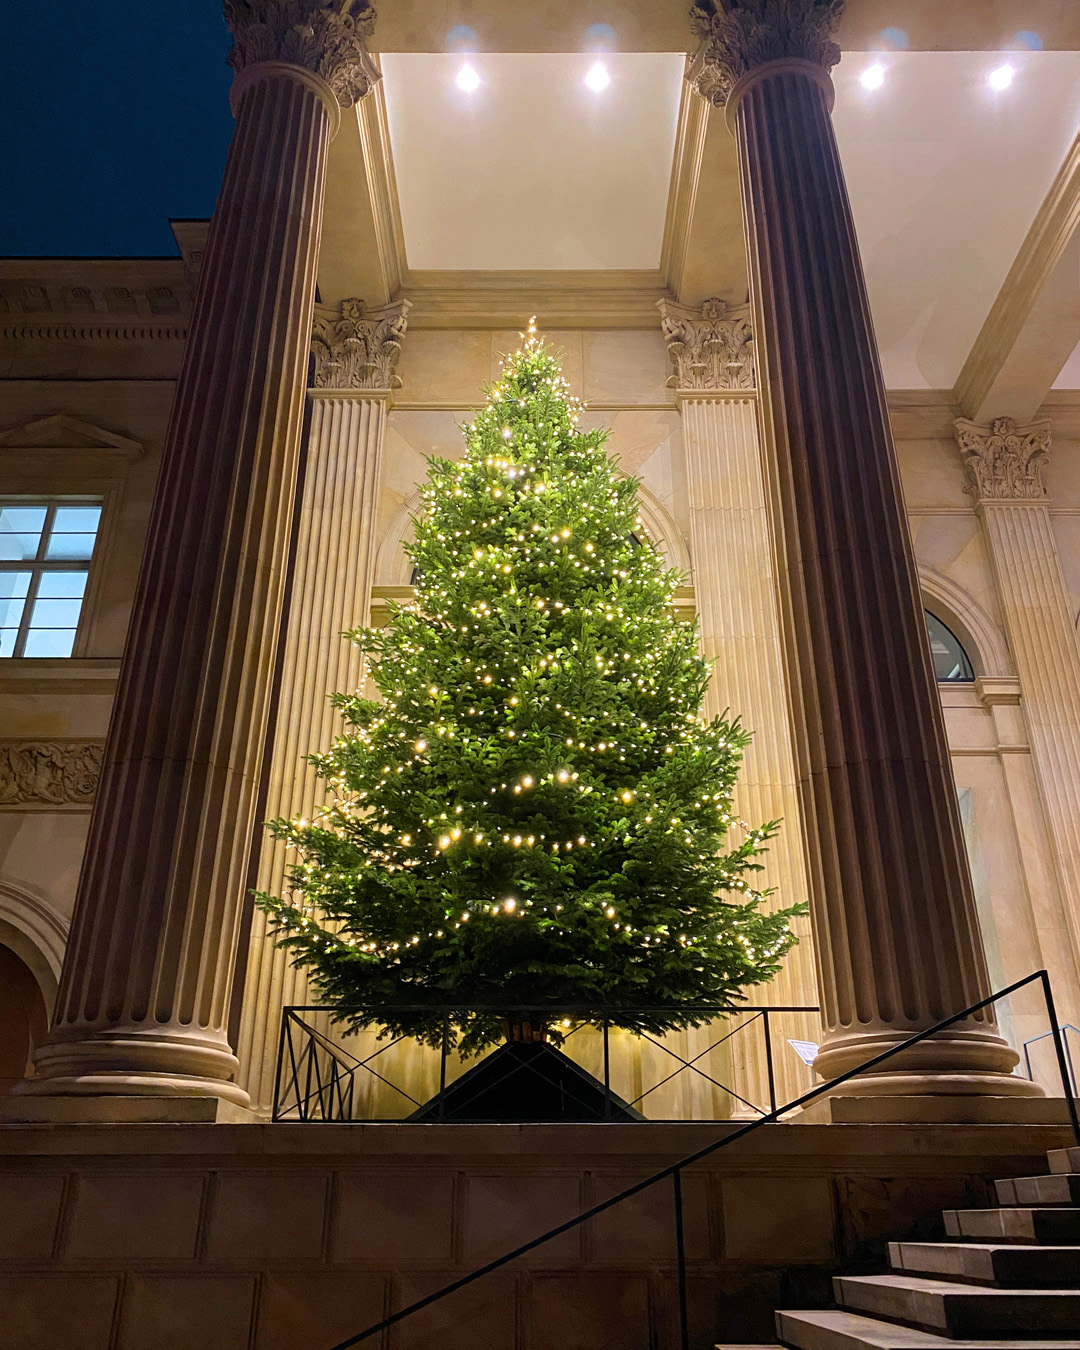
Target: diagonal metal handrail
<point>674,1170</point>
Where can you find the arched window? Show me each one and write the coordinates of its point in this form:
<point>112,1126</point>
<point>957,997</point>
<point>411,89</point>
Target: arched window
<point>951,664</point>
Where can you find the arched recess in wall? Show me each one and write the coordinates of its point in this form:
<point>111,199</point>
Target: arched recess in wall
<point>36,933</point>
<point>393,568</point>
<point>979,635</point>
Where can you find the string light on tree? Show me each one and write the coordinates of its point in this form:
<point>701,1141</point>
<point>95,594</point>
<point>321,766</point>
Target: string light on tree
<point>535,812</point>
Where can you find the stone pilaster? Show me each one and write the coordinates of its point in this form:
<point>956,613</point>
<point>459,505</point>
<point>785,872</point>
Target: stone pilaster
<point>711,351</point>
<point>333,572</point>
<point>1005,465</point>
<point>147,981</point>
<point>895,924</point>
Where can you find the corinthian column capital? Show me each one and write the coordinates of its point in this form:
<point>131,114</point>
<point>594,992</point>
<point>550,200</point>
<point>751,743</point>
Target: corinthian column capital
<point>357,351</point>
<point>1004,462</point>
<point>327,37</point>
<point>737,36</point>
<point>711,348</point>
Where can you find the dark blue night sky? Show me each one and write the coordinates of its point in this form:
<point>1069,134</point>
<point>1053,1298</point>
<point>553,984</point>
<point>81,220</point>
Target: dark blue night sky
<point>114,116</point>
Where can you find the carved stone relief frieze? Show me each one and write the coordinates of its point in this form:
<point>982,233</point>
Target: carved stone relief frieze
<point>711,347</point>
<point>53,773</point>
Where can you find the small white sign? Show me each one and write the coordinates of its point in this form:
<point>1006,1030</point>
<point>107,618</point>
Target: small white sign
<point>806,1050</point>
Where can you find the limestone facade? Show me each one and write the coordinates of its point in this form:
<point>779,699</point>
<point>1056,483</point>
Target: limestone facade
<point>103,436</point>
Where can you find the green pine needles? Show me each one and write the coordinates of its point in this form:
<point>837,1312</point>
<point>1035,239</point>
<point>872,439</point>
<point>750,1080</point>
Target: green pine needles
<point>535,812</point>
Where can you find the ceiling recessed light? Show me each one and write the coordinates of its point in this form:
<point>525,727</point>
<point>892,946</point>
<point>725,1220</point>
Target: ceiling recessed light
<point>468,79</point>
<point>1001,78</point>
<point>873,77</point>
<point>597,78</point>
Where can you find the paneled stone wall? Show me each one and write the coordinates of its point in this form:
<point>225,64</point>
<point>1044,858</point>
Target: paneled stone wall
<point>292,1237</point>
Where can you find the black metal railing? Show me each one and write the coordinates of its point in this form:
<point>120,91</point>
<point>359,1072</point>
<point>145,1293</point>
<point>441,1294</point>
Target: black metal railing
<point>319,1078</point>
<point>1063,1030</point>
<point>674,1170</point>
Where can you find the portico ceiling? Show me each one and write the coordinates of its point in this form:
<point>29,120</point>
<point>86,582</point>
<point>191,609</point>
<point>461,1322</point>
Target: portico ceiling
<point>533,186</point>
<point>532,169</point>
<point>946,176</point>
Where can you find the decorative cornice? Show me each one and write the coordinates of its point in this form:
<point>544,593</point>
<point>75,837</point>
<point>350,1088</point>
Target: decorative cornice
<point>357,352</point>
<point>49,773</point>
<point>737,36</point>
<point>1004,462</point>
<point>85,332</point>
<point>711,348</point>
<point>50,303</point>
<point>575,299</point>
<point>327,37</point>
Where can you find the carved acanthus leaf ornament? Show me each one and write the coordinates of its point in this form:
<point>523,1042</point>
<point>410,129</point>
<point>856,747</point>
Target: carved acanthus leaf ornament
<point>1004,462</point>
<point>54,773</point>
<point>358,351</point>
<point>328,37</point>
<point>736,36</point>
<point>711,347</point>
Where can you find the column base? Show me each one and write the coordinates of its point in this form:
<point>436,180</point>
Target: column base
<point>115,1108</point>
<point>126,1063</point>
<point>964,1060</point>
<point>933,1109</point>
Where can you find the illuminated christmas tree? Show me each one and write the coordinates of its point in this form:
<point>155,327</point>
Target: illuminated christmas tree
<point>535,811</point>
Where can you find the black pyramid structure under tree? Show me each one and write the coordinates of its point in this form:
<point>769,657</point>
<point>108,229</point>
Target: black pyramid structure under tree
<point>535,812</point>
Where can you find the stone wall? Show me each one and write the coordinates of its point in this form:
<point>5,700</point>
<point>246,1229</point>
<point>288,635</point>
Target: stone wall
<point>293,1237</point>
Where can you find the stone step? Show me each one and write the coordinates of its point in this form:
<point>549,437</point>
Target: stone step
<point>841,1330</point>
<point>1064,1159</point>
<point>1009,1267</point>
<point>1055,1227</point>
<point>1058,1188</point>
<point>961,1309</point>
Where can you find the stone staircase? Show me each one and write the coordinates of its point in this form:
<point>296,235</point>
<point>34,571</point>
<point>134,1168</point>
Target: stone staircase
<point>1006,1278</point>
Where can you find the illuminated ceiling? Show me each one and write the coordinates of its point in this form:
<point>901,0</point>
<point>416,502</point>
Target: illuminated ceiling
<point>532,169</point>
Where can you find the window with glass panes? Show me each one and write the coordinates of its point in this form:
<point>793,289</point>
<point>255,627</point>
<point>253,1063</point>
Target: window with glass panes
<point>951,663</point>
<point>45,550</point>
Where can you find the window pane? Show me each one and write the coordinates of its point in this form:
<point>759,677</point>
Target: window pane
<point>950,660</point>
<point>49,642</point>
<point>20,530</point>
<point>60,583</point>
<point>14,583</point>
<point>55,613</point>
<point>76,519</point>
<point>22,519</point>
<point>69,545</point>
<point>35,536</point>
<point>11,608</point>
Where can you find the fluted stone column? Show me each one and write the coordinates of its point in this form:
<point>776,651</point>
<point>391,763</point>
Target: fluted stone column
<point>895,923</point>
<point>146,985</point>
<point>1004,464</point>
<point>711,351</point>
<point>333,572</point>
